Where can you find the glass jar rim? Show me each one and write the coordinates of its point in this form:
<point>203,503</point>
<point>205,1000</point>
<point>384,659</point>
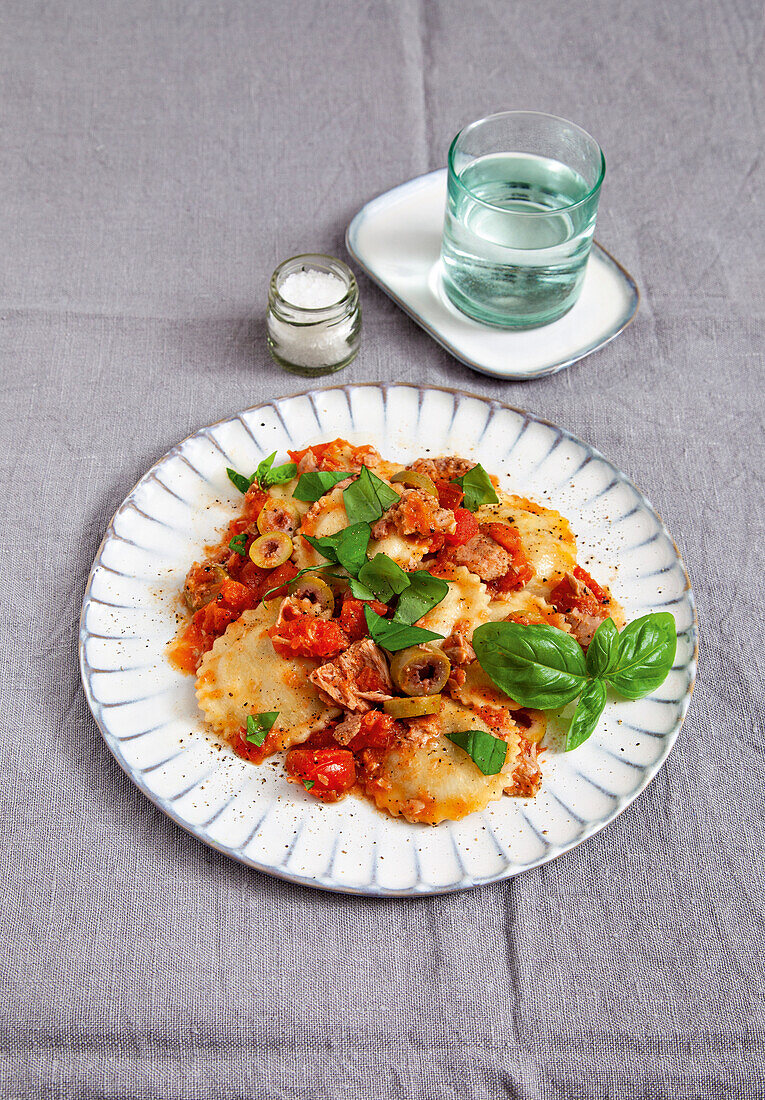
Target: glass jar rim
<point>525,213</point>
<point>324,262</point>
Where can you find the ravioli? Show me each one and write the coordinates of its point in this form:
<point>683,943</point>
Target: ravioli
<point>242,674</point>
<point>467,602</point>
<point>435,780</point>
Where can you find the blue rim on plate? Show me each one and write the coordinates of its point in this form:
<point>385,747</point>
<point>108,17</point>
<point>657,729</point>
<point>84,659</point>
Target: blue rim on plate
<point>441,312</point>
<point>147,712</point>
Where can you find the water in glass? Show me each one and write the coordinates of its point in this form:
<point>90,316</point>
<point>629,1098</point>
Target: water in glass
<point>515,243</point>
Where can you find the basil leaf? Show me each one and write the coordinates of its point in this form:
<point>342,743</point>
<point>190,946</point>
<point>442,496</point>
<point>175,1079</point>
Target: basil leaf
<point>646,653</point>
<point>367,498</point>
<point>588,711</point>
<point>393,636</point>
<point>309,569</point>
<point>280,475</point>
<point>603,649</point>
<point>258,725</point>
<point>347,547</point>
<point>383,578</point>
<point>238,544</point>
<point>263,468</point>
<point>486,751</point>
<point>537,666</point>
<point>308,783</point>
<point>313,486</point>
<point>241,482</point>
<point>423,594</point>
<point>477,487</point>
<point>265,475</point>
<point>360,590</point>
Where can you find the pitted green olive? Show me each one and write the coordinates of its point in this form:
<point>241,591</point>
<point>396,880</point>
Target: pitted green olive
<point>278,515</point>
<point>203,584</point>
<point>420,670</point>
<point>271,550</point>
<point>317,591</point>
<point>412,708</point>
<point>413,479</point>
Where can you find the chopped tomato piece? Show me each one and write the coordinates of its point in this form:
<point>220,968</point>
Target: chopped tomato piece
<point>236,527</point>
<point>187,651</point>
<point>467,527</point>
<point>254,499</point>
<point>277,578</point>
<point>495,718</point>
<point>331,772</point>
<point>352,616</point>
<point>322,739</point>
<point>248,750</point>
<point>337,455</point>
<point>516,577</point>
<point>520,572</point>
<point>213,619</point>
<point>599,593</point>
<point>250,574</point>
<point>507,536</point>
<point>308,636</point>
<point>317,449</point>
<point>238,597</point>
<point>580,593</point>
<point>449,494</point>
<point>378,731</point>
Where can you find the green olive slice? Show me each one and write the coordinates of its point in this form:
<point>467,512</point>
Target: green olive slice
<point>413,479</point>
<point>412,708</point>
<point>271,550</point>
<point>278,515</point>
<point>420,670</point>
<point>317,591</point>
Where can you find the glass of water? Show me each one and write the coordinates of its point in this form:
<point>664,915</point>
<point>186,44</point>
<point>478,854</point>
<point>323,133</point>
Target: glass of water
<point>522,198</point>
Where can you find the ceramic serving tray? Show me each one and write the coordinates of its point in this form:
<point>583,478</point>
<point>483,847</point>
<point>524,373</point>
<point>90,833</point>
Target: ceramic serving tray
<point>147,711</point>
<point>396,239</point>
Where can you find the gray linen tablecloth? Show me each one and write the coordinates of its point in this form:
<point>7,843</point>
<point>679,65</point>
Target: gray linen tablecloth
<point>158,160</point>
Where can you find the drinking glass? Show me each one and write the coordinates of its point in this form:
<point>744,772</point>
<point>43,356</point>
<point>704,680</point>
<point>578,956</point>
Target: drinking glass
<point>521,204</point>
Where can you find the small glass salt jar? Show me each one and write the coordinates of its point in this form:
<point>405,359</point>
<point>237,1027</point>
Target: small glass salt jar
<point>314,317</point>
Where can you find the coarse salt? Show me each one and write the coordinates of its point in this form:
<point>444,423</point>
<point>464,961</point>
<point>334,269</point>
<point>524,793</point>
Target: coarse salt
<point>312,289</point>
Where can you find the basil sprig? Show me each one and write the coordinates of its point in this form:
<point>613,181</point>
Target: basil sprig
<point>486,751</point>
<point>265,475</point>
<point>258,726</point>
<point>477,487</point>
<point>268,474</point>
<point>312,486</point>
<point>544,668</point>
<point>367,498</point>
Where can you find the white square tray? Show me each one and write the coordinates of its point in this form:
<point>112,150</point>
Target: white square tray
<point>396,239</point>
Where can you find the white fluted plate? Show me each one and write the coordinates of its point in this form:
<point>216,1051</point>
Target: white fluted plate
<point>396,238</point>
<point>147,711</point>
